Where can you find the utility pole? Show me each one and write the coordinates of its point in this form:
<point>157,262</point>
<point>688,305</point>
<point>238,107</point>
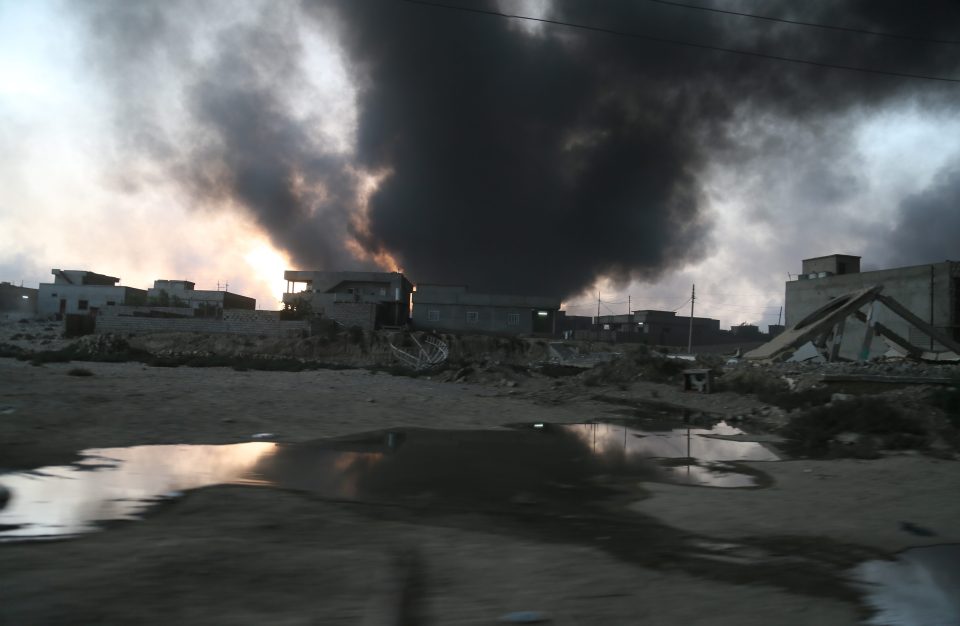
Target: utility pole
<point>628,305</point>
<point>693,296</point>
<point>598,316</point>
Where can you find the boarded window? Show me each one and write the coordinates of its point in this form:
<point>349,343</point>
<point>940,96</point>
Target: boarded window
<point>472,317</point>
<point>513,319</point>
<point>433,316</point>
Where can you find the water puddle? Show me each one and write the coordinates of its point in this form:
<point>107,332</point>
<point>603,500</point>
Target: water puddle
<point>921,587</point>
<point>689,455</point>
<point>560,467</point>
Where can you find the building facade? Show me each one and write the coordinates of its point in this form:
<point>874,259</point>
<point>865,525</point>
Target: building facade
<point>204,302</point>
<point>84,292</point>
<point>666,328</point>
<point>366,299</point>
<point>931,292</point>
<point>454,308</point>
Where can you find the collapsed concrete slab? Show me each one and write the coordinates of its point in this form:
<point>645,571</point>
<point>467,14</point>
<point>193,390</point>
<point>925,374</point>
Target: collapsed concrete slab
<point>824,329</point>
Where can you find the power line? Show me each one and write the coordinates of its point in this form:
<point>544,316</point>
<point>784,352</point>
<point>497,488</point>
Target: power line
<point>859,31</point>
<point>681,42</point>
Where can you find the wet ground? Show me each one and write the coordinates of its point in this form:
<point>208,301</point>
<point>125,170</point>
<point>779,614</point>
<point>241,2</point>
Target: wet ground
<point>400,523</point>
<point>564,468</point>
<point>569,483</point>
<point>921,586</point>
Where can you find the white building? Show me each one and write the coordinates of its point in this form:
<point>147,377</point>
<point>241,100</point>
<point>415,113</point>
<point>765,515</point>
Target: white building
<point>84,292</point>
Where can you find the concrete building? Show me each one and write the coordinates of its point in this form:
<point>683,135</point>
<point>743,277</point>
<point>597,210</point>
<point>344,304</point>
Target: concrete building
<point>365,299</point>
<point>666,328</point>
<point>17,301</point>
<point>455,308</point>
<point>568,325</point>
<point>204,302</point>
<point>931,292</point>
<point>84,292</point>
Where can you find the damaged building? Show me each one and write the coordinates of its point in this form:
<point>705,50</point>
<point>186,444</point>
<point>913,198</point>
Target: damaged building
<point>454,308</point>
<point>366,299</point>
<point>931,292</point>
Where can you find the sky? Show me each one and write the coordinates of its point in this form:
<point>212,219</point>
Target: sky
<point>225,141</point>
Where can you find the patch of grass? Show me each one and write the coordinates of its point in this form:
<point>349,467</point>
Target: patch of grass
<point>879,424</point>
<point>638,365</point>
<point>355,334</point>
<point>79,371</point>
<point>772,390</point>
<point>554,370</point>
<point>10,351</point>
<point>948,399</point>
<point>242,363</point>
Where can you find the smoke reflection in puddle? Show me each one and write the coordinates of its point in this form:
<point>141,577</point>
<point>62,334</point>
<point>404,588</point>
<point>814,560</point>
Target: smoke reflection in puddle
<point>561,467</point>
<point>920,588</point>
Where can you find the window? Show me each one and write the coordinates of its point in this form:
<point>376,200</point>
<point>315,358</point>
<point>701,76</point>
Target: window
<point>383,291</point>
<point>111,303</point>
<point>513,319</point>
<point>82,305</point>
<point>433,316</point>
<point>472,317</point>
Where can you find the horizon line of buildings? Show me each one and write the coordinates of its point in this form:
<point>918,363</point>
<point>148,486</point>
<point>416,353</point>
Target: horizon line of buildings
<point>388,299</point>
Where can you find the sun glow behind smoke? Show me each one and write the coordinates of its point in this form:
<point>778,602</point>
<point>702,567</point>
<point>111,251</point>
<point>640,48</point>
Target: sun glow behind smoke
<point>268,265</point>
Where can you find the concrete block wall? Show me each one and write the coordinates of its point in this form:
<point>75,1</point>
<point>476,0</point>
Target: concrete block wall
<point>241,315</point>
<point>362,314</point>
<point>127,310</point>
<point>250,326</point>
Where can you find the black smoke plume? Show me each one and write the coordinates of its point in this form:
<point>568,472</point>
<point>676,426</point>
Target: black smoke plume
<point>520,157</point>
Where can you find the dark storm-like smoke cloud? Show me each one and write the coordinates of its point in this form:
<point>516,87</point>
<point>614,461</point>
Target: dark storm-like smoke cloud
<point>541,162</point>
<point>244,146</point>
<point>534,162</point>
<point>927,228</point>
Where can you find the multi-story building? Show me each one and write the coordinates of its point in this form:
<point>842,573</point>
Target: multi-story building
<point>84,292</point>
<point>365,299</point>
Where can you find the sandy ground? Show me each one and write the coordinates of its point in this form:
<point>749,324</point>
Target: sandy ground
<point>250,555</point>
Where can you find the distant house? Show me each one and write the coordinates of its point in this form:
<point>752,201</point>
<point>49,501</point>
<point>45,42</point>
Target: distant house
<point>17,300</point>
<point>204,302</point>
<point>662,328</point>
<point>84,292</point>
<point>365,299</point>
<point>455,308</point>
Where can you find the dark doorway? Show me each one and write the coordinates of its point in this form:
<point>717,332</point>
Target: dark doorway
<point>542,322</point>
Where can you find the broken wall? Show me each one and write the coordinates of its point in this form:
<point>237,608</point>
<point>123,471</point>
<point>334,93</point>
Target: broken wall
<point>926,290</point>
